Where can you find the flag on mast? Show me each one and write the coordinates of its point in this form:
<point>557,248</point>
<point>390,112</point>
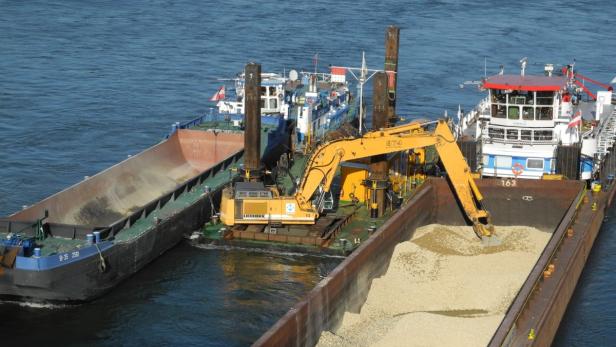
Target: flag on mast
<point>338,74</point>
<point>220,94</point>
<point>576,120</point>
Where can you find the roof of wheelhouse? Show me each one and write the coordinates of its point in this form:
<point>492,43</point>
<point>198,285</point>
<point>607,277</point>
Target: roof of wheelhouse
<point>527,83</point>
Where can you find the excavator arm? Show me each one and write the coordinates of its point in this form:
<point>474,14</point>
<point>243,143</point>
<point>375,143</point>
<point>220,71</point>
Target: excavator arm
<point>324,162</point>
<point>255,204</point>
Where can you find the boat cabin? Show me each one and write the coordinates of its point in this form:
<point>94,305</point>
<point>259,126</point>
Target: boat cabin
<point>524,119</point>
<point>272,96</point>
<point>524,108</point>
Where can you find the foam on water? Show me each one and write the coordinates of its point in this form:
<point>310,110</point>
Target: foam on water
<point>263,250</point>
<point>37,305</point>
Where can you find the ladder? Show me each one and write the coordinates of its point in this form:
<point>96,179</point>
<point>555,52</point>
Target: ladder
<point>607,134</point>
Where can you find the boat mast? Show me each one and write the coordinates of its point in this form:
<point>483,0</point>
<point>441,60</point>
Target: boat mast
<point>364,76</point>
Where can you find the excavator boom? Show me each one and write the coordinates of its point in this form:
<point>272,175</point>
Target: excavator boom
<point>325,160</point>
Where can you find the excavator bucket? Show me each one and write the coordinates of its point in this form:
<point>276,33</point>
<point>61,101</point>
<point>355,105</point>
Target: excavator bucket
<point>485,231</point>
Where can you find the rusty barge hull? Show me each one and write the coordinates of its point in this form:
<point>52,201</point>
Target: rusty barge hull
<point>565,208</point>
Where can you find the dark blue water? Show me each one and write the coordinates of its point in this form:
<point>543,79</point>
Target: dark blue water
<point>83,84</point>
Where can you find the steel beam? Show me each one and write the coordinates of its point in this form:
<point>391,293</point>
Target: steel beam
<point>252,111</point>
<point>392,44</point>
<point>378,165</point>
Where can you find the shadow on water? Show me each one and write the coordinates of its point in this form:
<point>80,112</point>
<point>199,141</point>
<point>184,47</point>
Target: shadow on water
<point>188,296</point>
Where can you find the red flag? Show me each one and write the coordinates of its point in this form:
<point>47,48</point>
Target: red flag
<point>576,120</point>
<point>338,74</point>
<point>220,94</point>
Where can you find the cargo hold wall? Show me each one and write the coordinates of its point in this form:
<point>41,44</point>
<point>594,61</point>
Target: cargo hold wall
<point>118,191</point>
<point>541,204</point>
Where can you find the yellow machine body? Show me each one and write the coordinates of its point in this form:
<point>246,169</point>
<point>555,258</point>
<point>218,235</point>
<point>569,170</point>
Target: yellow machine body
<point>251,203</point>
<point>552,177</point>
<point>352,184</point>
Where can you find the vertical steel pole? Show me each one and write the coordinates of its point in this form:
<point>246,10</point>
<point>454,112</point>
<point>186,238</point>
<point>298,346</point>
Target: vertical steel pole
<point>252,122</point>
<point>378,166</point>
<point>392,43</point>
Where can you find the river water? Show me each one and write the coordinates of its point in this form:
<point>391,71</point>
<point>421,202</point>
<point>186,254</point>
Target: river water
<point>84,84</point>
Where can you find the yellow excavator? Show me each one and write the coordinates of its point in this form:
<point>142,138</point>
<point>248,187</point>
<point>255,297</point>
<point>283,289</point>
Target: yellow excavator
<point>254,203</point>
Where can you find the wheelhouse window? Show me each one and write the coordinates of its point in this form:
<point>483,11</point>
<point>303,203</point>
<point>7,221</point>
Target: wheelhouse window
<point>544,113</point>
<point>528,113</point>
<point>273,103</point>
<point>521,97</point>
<point>520,104</point>
<point>263,91</point>
<point>543,135</point>
<point>514,112</point>
<point>499,111</point>
<point>512,134</point>
<point>499,96</point>
<point>545,98</point>
<point>526,135</point>
<point>496,133</point>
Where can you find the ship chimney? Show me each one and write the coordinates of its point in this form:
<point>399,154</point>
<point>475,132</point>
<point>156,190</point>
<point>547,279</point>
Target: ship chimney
<point>378,167</point>
<point>252,122</point>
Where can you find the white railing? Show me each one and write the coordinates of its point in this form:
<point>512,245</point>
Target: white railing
<point>470,118</point>
<point>607,134</point>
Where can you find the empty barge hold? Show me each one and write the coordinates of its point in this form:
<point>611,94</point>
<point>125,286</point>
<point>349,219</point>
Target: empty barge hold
<point>565,209</point>
<point>79,243</point>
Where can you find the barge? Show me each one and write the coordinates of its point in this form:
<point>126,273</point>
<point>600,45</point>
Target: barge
<point>79,243</point>
<point>76,245</point>
<point>560,180</point>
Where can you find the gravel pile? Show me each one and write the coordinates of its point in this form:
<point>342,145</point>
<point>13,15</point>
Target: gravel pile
<point>443,287</point>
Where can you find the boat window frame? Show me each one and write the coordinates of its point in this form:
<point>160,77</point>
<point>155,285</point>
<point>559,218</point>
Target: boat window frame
<point>550,113</point>
<point>503,161</point>
<point>513,107</point>
<point>550,99</point>
<point>544,138</point>
<point>517,131</point>
<point>529,166</point>
<point>530,135</point>
<point>532,114</point>
<point>273,103</point>
<point>545,107</point>
<point>493,129</point>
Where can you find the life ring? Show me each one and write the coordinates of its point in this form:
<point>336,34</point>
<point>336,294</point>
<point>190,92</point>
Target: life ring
<point>517,169</point>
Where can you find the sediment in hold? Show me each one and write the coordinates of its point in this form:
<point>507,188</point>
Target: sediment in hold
<point>442,288</point>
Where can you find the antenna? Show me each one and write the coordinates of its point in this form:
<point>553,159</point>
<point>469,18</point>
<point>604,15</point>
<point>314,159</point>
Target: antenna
<point>485,67</point>
<point>523,62</point>
<point>502,69</point>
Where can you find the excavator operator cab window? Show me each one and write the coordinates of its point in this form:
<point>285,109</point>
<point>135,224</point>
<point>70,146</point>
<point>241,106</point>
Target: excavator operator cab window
<point>252,190</point>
